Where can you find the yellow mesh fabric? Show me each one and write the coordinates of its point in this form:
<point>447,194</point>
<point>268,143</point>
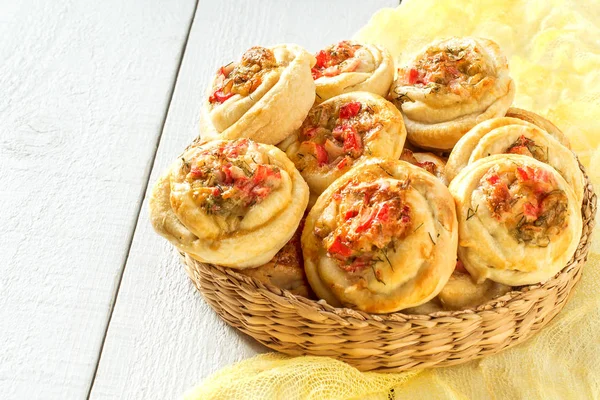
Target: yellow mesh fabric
<point>553,48</point>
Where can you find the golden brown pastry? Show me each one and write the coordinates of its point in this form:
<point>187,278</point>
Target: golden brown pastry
<point>351,67</point>
<point>514,136</point>
<point>382,238</point>
<point>232,203</point>
<point>451,86</point>
<point>428,161</point>
<point>264,96</point>
<point>285,270</point>
<point>519,220</point>
<point>341,132</point>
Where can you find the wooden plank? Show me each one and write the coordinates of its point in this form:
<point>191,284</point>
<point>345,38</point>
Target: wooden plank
<point>163,337</point>
<point>85,87</point>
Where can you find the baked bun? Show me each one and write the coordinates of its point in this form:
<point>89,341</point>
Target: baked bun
<point>231,203</point>
<point>519,220</point>
<point>351,67</point>
<point>451,86</point>
<point>285,270</point>
<point>381,238</point>
<point>341,132</point>
<point>264,97</point>
<point>514,136</point>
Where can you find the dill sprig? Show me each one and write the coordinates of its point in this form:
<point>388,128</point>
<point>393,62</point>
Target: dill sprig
<point>384,251</point>
<point>403,97</point>
<point>384,170</point>
<point>471,213</point>
<point>431,238</point>
<point>375,273</point>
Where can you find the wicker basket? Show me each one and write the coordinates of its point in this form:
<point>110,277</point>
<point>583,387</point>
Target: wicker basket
<point>394,342</point>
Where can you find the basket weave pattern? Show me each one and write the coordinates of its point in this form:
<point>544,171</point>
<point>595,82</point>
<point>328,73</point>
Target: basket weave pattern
<point>394,342</point>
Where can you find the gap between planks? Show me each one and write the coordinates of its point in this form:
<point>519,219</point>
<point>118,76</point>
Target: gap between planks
<point>140,201</point>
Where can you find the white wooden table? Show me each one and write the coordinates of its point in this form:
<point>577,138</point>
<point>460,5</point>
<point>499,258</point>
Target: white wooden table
<point>96,97</point>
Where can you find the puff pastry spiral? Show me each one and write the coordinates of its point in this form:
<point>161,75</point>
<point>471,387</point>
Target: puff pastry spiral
<point>264,96</point>
<point>350,67</point>
<point>519,220</point>
<point>232,203</point>
<point>381,238</point>
<point>451,86</point>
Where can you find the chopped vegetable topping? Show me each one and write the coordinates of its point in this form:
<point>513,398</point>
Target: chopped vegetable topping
<point>528,202</point>
<point>228,179</point>
<point>368,218</point>
<point>243,78</point>
<point>336,59</point>
<point>527,147</point>
<point>352,143</point>
<point>451,68</point>
<point>333,134</point>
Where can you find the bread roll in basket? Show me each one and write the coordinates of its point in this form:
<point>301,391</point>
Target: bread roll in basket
<point>393,342</point>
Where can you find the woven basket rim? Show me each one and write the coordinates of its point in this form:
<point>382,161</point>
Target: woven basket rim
<point>588,205</point>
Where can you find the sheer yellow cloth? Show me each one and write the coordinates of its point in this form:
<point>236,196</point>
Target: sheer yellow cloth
<point>553,48</point>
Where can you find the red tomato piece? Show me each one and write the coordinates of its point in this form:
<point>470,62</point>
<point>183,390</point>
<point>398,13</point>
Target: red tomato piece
<point>219,96</point>
<point>339,248</point>
<point>321,153</point>
<point>350,214</point>
<point>323,58</point>
<point>350,110</point>
<point>196,172</point>
<point>413,76</point>
<point>227,172</point>
<point>343,164</point>
<point>260,173</point>
<point>352,140</point>
<point>524,174</point>
<point>383,214</point>
<point>493,179</point>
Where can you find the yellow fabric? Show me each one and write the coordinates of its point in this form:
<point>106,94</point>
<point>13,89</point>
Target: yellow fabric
<point>553,48</point>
